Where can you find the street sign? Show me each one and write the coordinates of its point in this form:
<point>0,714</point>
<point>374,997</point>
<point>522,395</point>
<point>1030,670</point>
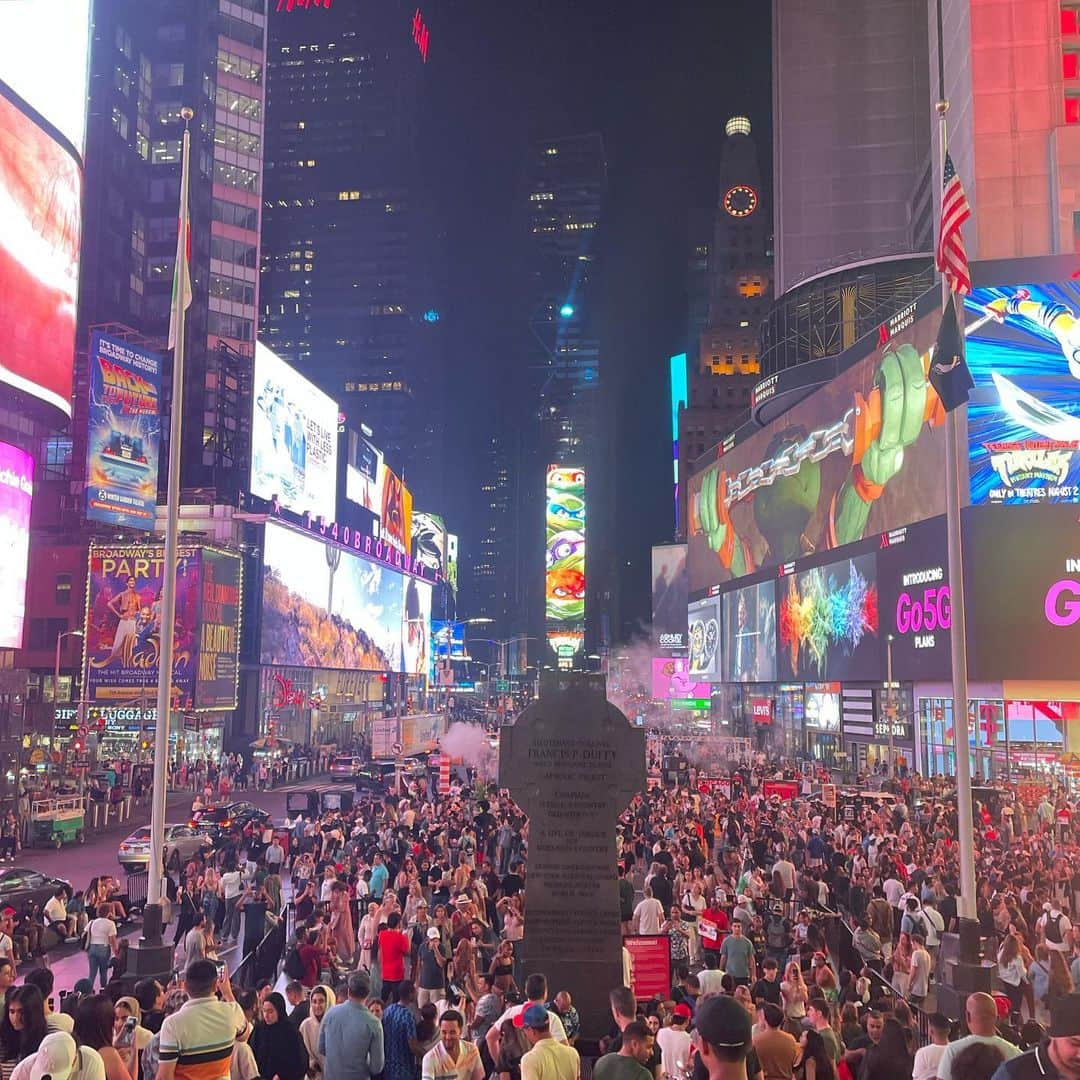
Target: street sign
<point>502,685</point>
<point>701,704</point>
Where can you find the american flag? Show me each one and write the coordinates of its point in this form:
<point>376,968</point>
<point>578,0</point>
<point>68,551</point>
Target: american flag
<point>951,256</point>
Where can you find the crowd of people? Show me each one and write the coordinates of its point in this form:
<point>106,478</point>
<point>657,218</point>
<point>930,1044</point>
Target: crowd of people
<point>804,943</point>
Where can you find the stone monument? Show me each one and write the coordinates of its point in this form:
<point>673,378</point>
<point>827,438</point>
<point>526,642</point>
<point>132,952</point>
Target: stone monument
<point>572,762</point>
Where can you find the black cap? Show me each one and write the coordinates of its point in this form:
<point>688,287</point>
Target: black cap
<point>722,1021</point>
<point>1065,1017</point>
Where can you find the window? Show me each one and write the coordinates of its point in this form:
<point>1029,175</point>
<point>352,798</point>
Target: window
<point>171,32</point>
<point>57,458</point>
<point>236,176</point>
<point>161,269</point>
<point>238,104</point>
<point>227,288</point>
<point>245,33</point>
<point>239,66</point>
<point>122,81</point>
<point>44,632</point>
<point>119,123</point>
<point>231,139</point>
<point>63,589</point>
<point>243,217</point>
<point>233,251</point>
<point>165,189</point>
<point>167,112</point>
<point>165,151</point>
<point>168,74</point>
<point>230,326</point>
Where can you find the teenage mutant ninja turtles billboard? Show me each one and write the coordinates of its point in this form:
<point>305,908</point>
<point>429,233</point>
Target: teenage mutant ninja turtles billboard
<point>861,455</point>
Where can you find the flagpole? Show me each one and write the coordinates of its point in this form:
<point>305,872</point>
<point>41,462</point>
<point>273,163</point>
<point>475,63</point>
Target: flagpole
<point>181,296</point>
<point>966,906</point>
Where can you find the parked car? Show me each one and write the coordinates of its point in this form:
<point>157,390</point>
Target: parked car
<point>216,820</point>
<point>181,843</point>
<point>345,767</point>
<point>19,884</point>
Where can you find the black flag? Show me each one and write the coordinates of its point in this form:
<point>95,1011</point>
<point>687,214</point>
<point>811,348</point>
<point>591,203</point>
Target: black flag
<point>949,374</point>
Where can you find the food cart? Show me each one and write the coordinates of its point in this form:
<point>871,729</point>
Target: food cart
<point>57,821</point>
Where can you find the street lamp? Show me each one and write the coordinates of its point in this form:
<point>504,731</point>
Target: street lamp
<point>890,705</point>
<point>56,667</point>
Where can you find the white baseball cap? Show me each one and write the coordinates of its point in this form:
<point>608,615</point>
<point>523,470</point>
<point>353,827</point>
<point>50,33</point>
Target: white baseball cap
<point>55,1057</point>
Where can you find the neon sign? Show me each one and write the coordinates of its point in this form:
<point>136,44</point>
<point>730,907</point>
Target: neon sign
<point>420,33</point>
<point>288,5</point>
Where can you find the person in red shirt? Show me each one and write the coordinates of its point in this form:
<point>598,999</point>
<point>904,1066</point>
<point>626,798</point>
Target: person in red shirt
<point>713,925</point>
<point>312,959</point>
<point>393,951</point>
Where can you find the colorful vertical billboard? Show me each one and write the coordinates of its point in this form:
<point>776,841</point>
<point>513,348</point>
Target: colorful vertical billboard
<point>861,455</point>
<point>749,635</point>
<point>16,496</point>
<point>220,596</point>
<point>294,439</point>
<point>325,607</point>
<point>671,679</point>
<point>703,618</point>
<point>395,514</point>
<point>829,622</point>
<point>565,553</point>
<point>364,473</point>
<point>1023,349</point>
<point>40,233</point>
<point>123,623</point>
<point>429,540</point>
<point>124,433</point>
<point>669,632</point>
<point>448,640</point>
<point>452,561</point>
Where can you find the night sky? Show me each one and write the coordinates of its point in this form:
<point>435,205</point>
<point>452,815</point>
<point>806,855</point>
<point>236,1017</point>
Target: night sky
<point>658,80</point>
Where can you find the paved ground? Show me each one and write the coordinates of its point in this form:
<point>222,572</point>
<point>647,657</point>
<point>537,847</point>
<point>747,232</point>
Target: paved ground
<point>80,862</point>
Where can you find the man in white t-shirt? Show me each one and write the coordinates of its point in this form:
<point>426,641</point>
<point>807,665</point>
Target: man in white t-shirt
<point>452,1057</point>
<point>674,1043</point>
<point>232,886</point>
<point>536,993</point>
<point>980,1014</point>
<point>648,915</point>
<point>927,1057</point>
<point>1055,929</point>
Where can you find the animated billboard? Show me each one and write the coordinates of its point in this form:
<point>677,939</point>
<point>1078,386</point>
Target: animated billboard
<point>220,597</point>
<point>40,234</point>
<point>749,634</point>
<point>328,608</point>
<point>429,540</point>
<point>395,514</point>
<point>860,455</point>
<point>123,439</point>
<point>671,679</point>
<point>364,473</point>
<point>16,496</point>
<point>1023,349</point>
<point>703,618</point>
<point>565,550</point>
<point>669,632</point>
<point>452,561</point>
<point>294,439</point>
<point>447,639</point>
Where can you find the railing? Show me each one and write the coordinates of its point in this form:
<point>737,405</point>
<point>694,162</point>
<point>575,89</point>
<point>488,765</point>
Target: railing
<point>262,962</point>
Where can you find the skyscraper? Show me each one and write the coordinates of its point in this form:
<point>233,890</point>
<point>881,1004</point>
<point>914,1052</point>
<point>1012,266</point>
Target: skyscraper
<point>349,292</point>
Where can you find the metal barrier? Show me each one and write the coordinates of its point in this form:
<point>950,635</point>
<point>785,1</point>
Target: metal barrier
<point>262,962</point>
<point>137,885</point>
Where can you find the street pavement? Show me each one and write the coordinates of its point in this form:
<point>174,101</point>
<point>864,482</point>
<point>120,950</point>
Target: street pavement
<point>78,863</point>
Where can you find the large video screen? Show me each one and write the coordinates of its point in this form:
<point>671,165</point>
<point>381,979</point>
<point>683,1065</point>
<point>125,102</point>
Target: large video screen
<point>861,455</point>
<point>829,622</point>
<point>822,706</point>
<point>565,551</point>
<point>16,495</point>
<point>294,439</point>
<point>123,433</point>
<point>703,618</point>
<point>395,515</point>
<point>44,56</point>
<point>669,631</point>
<point>220,599</point>
<point>1023,348</point>
<point>671,679</point>
<point>40,231</point>
<point>364,473</point>
<point>749,637</point>
<point>429,540</point>
<point>328,608</point>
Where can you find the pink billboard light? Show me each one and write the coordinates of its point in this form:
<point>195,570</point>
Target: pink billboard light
<point>16,490</point>
<point>671,679</point>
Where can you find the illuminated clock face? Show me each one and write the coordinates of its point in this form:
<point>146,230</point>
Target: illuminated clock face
<point>740,201</point>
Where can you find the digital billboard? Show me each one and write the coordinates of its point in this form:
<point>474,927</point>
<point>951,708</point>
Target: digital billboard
<point>395,514</point>
<point>828,621</point>
<point>448,639</point>
<point>749,635</point>
<point>861,455</point>
<point>16,495</point>
<point>671,679</point>
<point>429,540</point>
<point>1022,576</point>
<point>822,706</point>
<point>123,433</point>
<point>294,439</point>
<point>30,32</point>
<point>325,607</point>
<point>123,623</point>
<point>703,617</point>
<point>40,231</point>
<point>452,561</point>
<point>220,596</point>
<point>565,548</point>
<point>669,632</point>
<point>1023,349</point>
<point>364,473</point>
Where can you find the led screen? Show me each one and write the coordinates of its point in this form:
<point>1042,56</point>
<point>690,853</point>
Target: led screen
<point>828,622</point>
<point>395,525</point>
<point>429,540</point>
<point>448,639</point>
<point>44,54</point>
<point>123,434</point>
<point>220,594</point>
<point>671,679</point>
<point>364,474</point>
<point>669,633</point>
<point>452,561</point>
<point>750,633</point>
<point>861,455</point>
<point>328,608</point>
<point>16,492</point>
<point>294,439</point>
<point>40,229</point>
<point>565,552</point>
<point>1023,348</point>
<point>703,618</point>
<point>822,707</point>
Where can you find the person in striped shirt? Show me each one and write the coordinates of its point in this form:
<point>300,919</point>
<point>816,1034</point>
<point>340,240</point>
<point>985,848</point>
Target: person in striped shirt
<point>197,1041</point>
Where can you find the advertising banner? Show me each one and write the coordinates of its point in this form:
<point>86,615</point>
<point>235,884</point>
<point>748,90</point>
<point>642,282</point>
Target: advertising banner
<point>703,618</point>
<point>40,234</point>
<point>123,623</point>
<point>421,734</point>
<point>669,631</point>
<point>448,639</point>
<point>749,635</point>
<point>822,706</point>
<point>429,540</point>
<point>650,965</point>
<point>220,594</point>
<point>16,496</point>
<point>1024,414</point>
<point>123,440</point>
<point>565,550</point>
<point>294,439</point>
<point>325,607</point>
<point>452,561</point>
<point>364,474</point>
<point>671,680</point>
<point>829,623</point>
<point>761,709</point>
<point>384,736</point>
<point>395,515</point>
<point>861,455</point>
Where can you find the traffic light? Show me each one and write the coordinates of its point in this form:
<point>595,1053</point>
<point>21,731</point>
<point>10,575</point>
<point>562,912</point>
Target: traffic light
<point>77,746</point>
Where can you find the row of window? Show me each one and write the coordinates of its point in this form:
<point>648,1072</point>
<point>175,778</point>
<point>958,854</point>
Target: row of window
<point>239,66</point>
<point>243,142</point>
<point>233,251</point>
<point>238,104</point>
<point>232,289</point>
<point>236,176</point>
<point>243,217</point>
<point>230,326</point>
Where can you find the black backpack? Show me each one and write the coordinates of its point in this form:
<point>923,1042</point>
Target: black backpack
<point>294,966</point>
<point>1053,929</point>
